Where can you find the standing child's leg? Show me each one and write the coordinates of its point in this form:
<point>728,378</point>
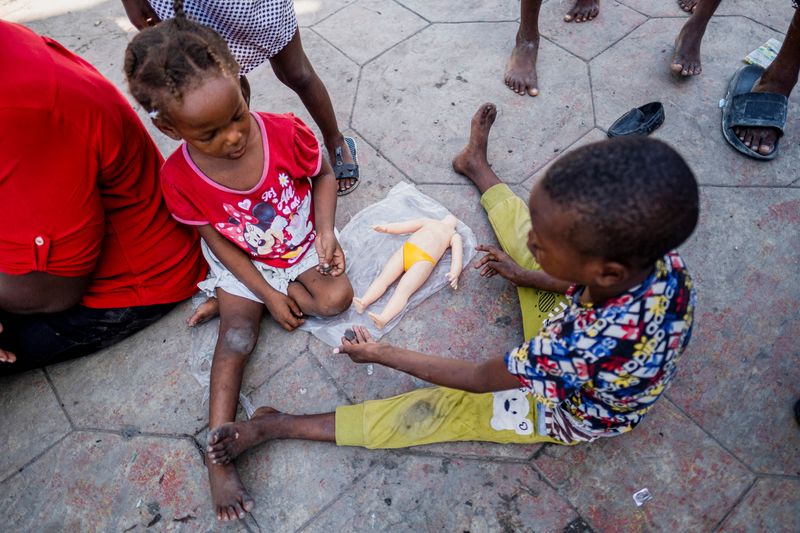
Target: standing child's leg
<point>686,58</point>
<point>292,67</point>
<point>508,215</point>
<point>238,331</point>
<point>521,68</point>
<point>583,10</point>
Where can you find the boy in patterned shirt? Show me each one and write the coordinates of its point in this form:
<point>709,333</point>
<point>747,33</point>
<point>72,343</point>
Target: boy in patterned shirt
<point>605,221</point>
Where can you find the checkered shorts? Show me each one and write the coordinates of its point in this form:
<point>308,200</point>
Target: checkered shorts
<point>255,30</point>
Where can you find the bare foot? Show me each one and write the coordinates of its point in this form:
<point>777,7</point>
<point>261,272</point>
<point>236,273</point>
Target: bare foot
<point>229,440</point>
<point>204,312</point>
<point>359,304</point>
<point>763,140</point>
<point>347,157</point>
<point>380,323</point>
<point>686,58</point>
<point>583,10</point>
<point>473,156</point>
<point>688,5</point>
<point>230,498</point>
<point>521,68</point>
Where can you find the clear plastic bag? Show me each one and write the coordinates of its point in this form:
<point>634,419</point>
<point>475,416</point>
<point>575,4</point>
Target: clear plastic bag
<point>367,251</point>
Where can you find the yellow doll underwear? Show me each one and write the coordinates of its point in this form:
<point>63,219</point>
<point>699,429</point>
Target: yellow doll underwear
<point>413,254</point>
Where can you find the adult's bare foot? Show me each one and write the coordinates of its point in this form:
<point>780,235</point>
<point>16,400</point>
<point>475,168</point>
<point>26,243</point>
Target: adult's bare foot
<point>473,157</point>
<point>763,140</point>
<point>228,495</point>
<point>688,5</point>
<point>230,440</point>
<point>521,67</point>
<point>204,312</point>
<point>583,10</point>
<point>686,58</point>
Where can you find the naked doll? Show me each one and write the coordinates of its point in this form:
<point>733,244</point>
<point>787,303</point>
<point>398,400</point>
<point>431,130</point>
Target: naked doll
<point>414,261</point>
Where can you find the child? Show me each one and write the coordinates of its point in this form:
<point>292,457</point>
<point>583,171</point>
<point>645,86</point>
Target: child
<point>262,30</point>
<point>520,74</point>
<point>242,179</point>
<point>605,219</point>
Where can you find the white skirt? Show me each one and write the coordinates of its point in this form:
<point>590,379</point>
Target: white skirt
<point>278,278</point>
<point>255,30</point>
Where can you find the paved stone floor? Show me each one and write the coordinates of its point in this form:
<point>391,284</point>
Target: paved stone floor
<point>111,442</point>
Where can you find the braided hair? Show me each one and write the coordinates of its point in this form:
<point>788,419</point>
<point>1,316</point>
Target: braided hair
<point>163,61</point>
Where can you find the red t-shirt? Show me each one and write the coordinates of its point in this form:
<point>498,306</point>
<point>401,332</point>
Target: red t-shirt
<point>79,187</point>
<point>274,221</point>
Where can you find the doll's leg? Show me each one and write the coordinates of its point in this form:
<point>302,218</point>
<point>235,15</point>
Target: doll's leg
<point>409,283</point>
<point>391,271</point>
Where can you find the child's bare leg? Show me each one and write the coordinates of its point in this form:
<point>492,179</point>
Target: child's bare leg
<point>234,438</point>
<point>686,58</point>
<point>238,332</point>
<point>392,270</point>
<point>471,161</point>
<point>319,295</point>
<point>292,67</point>
<point>521,68</point>
<point>204,312</point>
<point>408,285</point>
<point>583,10</point>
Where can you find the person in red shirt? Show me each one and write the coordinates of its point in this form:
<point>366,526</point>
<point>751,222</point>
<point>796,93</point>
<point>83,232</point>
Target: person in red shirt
<point>256,187</point>
<point>88,251</point>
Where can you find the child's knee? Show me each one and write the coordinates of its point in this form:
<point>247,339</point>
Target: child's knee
<point>238,338</point>
<point>337,300</point>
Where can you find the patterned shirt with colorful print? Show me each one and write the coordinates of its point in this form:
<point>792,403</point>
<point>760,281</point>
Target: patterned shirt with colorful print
<point>596,371</point>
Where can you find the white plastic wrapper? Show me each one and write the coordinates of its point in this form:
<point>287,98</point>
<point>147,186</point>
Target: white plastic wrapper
<point>367,251</point>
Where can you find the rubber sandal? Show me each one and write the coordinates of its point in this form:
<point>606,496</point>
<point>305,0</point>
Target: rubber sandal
<point>344,170</point>
<point>743,108</point>
<point>638,121</point>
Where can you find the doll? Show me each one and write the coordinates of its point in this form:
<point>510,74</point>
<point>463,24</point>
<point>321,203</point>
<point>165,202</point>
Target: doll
<point>413,263</point>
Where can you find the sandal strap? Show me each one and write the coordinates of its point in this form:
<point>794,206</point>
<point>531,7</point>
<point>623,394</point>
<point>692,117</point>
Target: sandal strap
<point>759,110</point>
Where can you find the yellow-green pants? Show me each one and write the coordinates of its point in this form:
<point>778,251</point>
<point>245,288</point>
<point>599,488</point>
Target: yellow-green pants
<point>440,414</point>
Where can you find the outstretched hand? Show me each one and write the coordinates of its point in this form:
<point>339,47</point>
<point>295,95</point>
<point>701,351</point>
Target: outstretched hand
<point>497,261</point>
<point>5,355</point>
<point>359,346</point>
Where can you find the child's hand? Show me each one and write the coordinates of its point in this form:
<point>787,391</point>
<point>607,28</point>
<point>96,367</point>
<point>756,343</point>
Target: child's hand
<point>331,255</point>
<point>361,349</point>
<point>497,261</point>
<point>285,311</point>
<point>140,13</point>
<point>5,355</point>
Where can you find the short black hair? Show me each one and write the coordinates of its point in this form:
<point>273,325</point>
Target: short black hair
<point>635,198</point>
<point>163,61</point>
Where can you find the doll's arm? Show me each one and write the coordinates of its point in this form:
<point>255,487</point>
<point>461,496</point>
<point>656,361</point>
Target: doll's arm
<point>400,228</point>
<point>457,259</point>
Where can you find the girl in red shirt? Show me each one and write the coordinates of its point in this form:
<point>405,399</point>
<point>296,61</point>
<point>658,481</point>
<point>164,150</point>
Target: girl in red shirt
<point>263,199</point>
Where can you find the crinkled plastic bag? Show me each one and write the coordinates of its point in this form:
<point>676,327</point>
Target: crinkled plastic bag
<point>367,251</point>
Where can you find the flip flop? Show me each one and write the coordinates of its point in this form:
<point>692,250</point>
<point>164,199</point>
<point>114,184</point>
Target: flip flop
<point>742,108</point>
<point>344,170</point>
<point>638,121</point>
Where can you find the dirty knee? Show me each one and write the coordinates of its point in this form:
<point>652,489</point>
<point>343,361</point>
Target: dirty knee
<point>239,340</point>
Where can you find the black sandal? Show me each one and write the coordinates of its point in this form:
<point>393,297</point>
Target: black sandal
<point>346,171</point>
